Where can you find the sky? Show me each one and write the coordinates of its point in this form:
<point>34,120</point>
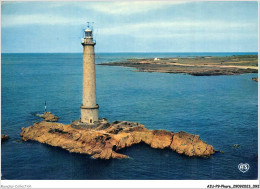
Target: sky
<point>136,26</point>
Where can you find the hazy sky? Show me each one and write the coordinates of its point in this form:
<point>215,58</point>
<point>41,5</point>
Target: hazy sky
<point>168,26</point>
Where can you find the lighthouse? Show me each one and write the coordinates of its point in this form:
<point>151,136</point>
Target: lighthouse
<point>89,107</point>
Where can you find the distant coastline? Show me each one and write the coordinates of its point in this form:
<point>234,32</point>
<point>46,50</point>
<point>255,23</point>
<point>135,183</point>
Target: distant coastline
<point>196,65</point>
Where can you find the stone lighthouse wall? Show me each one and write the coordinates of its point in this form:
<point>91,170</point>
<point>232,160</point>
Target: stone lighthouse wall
<point>89,108</point>
<point>89,78</point>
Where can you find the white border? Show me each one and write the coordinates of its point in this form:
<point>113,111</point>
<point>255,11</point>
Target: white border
<point>131,183</point>
<point>124,183</point>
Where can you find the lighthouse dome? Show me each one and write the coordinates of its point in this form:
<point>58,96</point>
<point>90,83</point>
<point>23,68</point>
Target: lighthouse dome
<point>88,30</point>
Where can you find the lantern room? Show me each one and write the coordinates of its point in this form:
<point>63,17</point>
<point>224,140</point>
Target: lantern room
<point>88,33</point>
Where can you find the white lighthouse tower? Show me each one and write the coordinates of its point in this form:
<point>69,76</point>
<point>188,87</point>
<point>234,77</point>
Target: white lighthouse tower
<point>89,107</point>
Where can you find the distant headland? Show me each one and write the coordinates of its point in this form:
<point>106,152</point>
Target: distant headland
<point>196,66</point>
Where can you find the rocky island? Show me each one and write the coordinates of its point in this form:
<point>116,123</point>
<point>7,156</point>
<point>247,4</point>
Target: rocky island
<point>255,79</point>
<point>48,116</point>
<point>4,138</point>
<point>197,66</point>
<point>105,140</point>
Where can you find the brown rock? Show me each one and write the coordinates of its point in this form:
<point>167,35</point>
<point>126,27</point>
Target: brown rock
<point>255,79</point>
<point>48,116</point>
<point>4,138</point>
<point>190,145</point>
<point>103,143</point>
<point>161,139</point>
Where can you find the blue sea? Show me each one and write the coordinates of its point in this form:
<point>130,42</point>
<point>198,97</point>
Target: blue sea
<point>223,110</point>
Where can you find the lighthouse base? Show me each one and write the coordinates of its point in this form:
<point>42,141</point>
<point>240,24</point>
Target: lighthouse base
<point>101,123</point>
<point>89,115</point>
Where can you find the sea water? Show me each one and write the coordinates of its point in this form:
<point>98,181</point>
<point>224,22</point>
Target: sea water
<point>222,110</point>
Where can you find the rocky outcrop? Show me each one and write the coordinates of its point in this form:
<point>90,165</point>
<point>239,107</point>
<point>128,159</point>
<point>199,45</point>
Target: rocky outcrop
<point>4,138</point>
<point>236,145</point>
<point>255,79</point>
<point>48,116</point>
<point>104,141</point>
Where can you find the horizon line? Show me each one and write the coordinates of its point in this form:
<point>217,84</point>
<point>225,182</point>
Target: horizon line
<point>131,52</point>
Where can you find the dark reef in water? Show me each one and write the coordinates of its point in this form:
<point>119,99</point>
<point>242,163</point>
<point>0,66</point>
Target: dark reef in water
<point>4,138</point>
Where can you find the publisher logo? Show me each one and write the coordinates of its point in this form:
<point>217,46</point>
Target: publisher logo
<point>243,167</point>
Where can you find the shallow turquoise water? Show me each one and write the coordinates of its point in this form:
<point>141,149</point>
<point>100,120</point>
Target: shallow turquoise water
<point>221,109</point>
